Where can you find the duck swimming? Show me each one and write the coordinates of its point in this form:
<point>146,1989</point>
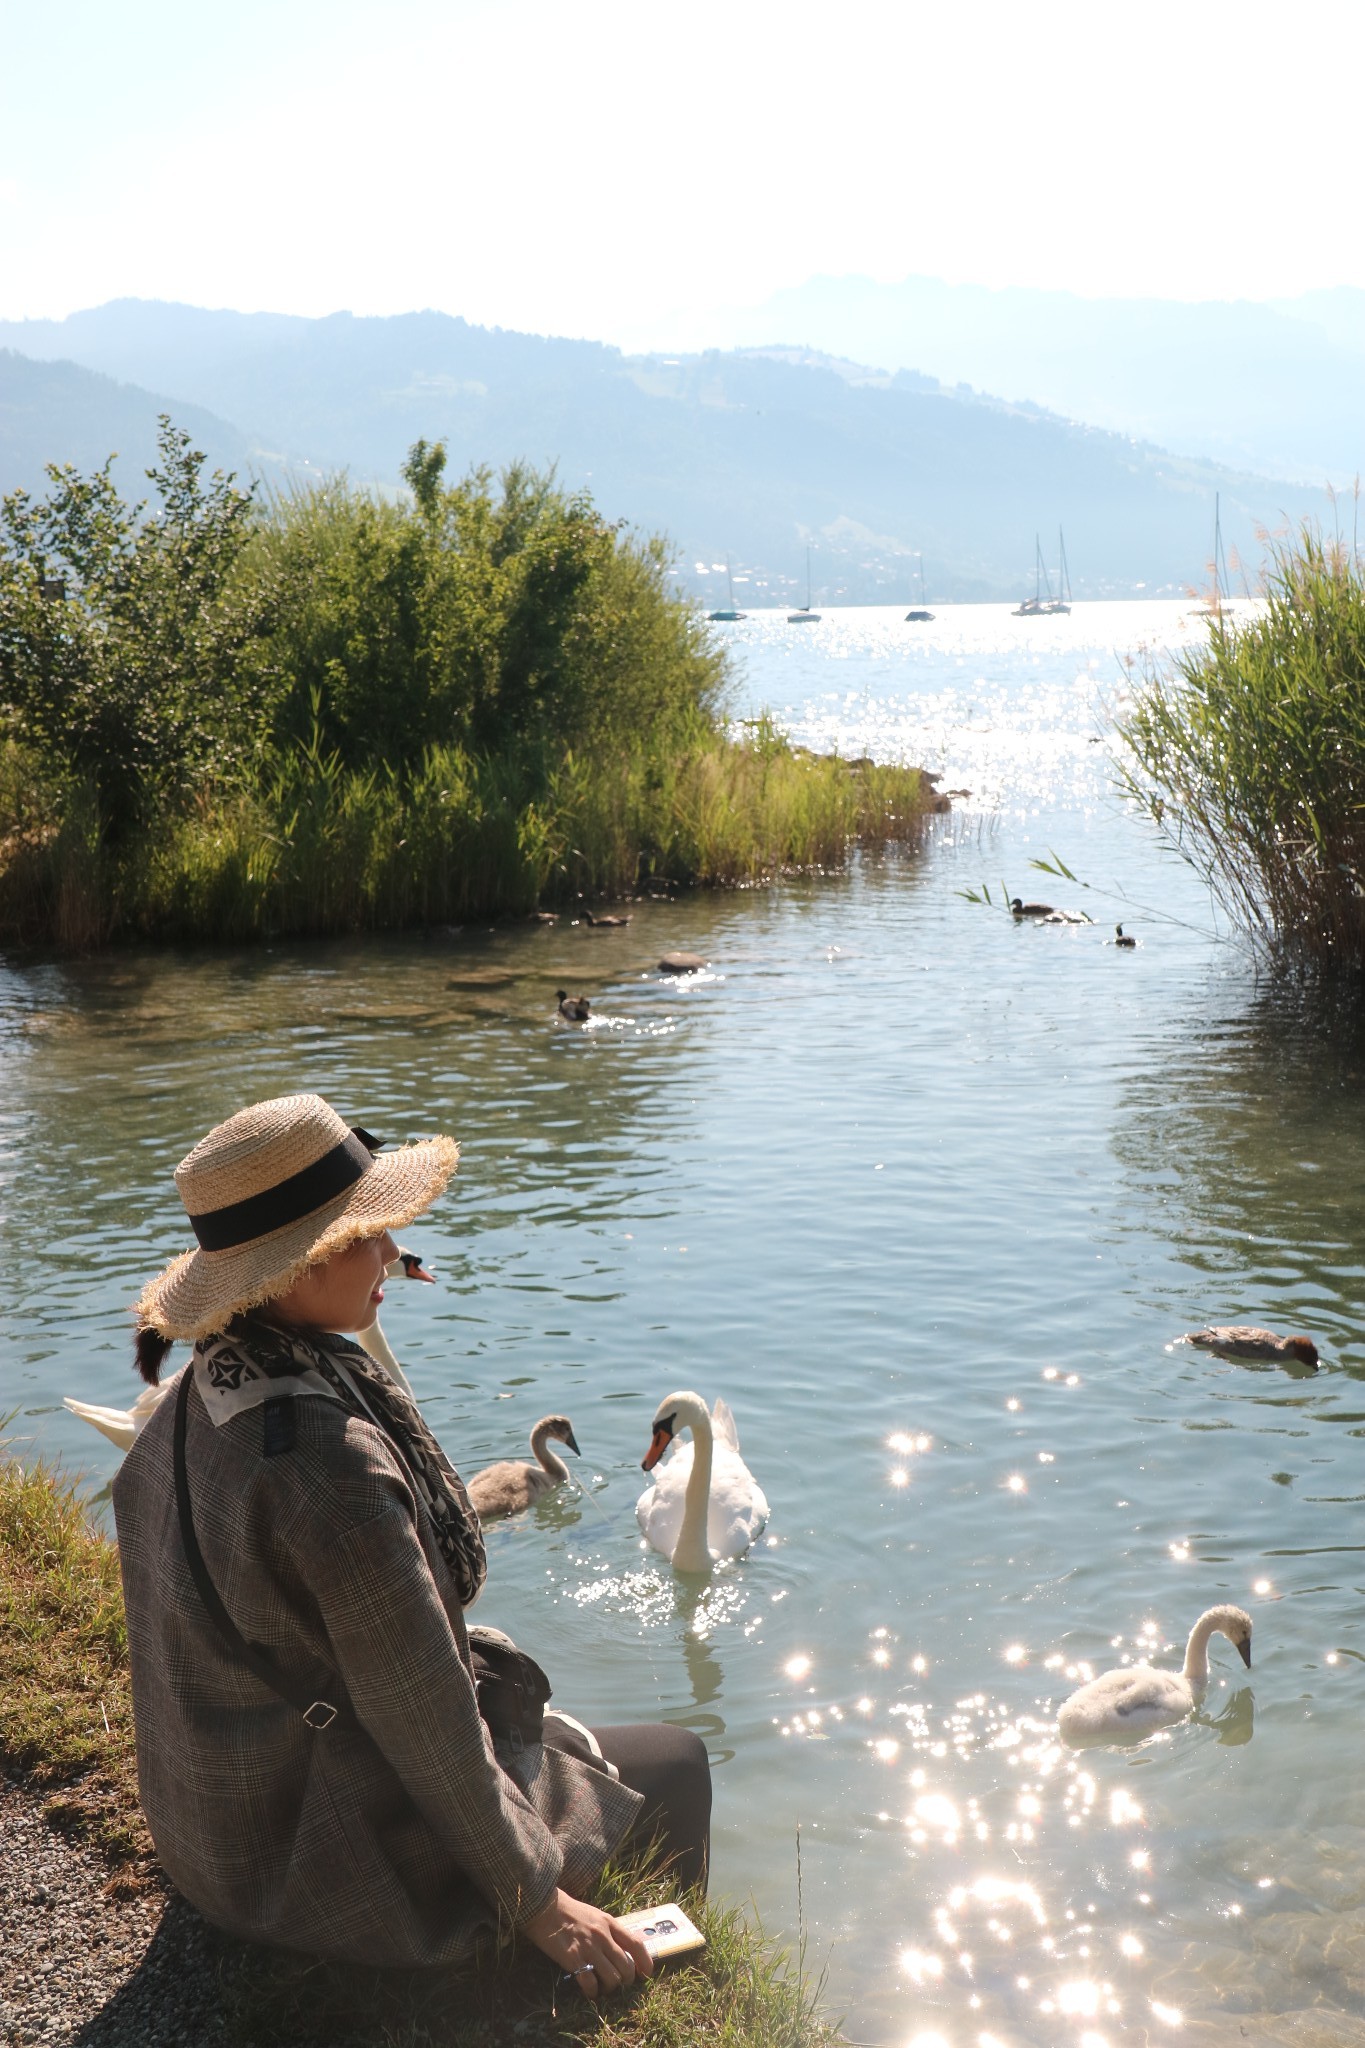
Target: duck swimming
<point>1122,938</point>
<point>573,1009</point>
<point>1044,913</point>
<point>1136,1699</point>
<point>1244,1340</point>
<point>511,1485</point>
<point>604,923</point>
<point>705,1505</point>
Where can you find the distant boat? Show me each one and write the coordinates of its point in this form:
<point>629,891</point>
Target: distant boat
<point>805,616</point>
<point>1217,602</point>
<point>1042,604</point>
<point>731,614</point>
<point>920,615</point>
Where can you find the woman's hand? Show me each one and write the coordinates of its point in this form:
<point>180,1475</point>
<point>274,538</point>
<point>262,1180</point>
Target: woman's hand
<point>589,1946</point>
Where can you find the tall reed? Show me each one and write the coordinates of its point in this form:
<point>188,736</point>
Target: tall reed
<point>1249,755</point>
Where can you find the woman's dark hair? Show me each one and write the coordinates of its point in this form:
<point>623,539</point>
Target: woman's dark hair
<point>150,1349</point>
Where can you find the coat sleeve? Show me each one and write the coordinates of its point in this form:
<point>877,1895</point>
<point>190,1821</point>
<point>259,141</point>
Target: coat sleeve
<point>398,1658</point>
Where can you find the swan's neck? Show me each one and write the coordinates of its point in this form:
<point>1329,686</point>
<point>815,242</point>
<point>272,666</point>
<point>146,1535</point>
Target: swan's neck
<point>692,1552</point>
<point>1196,1668</point>
<point>376,1343</point>
<point>551,1460</point>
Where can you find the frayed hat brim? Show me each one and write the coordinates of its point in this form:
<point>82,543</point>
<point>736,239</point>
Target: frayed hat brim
<point>200,1292</point>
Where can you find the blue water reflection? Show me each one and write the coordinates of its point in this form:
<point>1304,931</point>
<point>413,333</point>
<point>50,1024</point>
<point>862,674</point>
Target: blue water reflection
<point>926,1196</point>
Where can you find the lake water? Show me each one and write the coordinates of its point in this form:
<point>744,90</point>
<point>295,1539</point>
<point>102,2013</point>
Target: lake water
<point>926,1196</point>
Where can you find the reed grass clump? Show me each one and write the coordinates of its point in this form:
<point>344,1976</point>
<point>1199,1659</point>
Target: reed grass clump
<point>1249,755</point>
<point>332,712</point>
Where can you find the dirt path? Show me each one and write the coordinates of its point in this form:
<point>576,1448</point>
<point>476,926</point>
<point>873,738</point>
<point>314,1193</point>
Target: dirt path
<point>78,1966</point>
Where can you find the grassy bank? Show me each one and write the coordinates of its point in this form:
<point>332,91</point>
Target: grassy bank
<point>323,848</point>
<point>66,1711</point>
<point>66,1731</point>
<point>1249,755</point>
<point>226,720</point>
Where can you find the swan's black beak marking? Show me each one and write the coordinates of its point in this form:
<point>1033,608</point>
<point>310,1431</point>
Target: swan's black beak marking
<point>1244,1652</point>
<point>663,1437</point>
<point>413,1269</point>
<point>571,1444</point>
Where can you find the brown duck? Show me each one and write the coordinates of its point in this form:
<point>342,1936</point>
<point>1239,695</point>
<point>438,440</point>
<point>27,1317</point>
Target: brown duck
<point>1244,1340</point>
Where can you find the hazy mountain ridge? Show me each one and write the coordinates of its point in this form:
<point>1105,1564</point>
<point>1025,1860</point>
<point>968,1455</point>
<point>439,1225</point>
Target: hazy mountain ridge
<point>1275,387</point>
<point>755,452</point>
<point>60,412</point>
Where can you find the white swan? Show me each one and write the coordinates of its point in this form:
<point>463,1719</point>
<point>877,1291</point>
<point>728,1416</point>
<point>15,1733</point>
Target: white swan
<point>373,1340</point>
<point>122,1426</point>
<point>511,1485</point>
<point>1136,1698</point>
<point>705,1504</point>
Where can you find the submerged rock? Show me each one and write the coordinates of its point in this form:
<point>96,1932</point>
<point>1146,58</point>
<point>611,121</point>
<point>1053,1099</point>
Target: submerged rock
<point>681,963</point>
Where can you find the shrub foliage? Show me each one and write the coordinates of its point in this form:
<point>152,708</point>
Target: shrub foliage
<point>225,718</point>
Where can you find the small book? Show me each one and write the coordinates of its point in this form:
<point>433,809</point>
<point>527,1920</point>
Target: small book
<point>665,1931</point>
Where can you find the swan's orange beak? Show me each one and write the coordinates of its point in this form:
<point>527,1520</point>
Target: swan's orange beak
<point>662,1438</point>
<point>413,1269</point>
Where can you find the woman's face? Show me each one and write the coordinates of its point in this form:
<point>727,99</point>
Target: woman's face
<point>344,1292</point>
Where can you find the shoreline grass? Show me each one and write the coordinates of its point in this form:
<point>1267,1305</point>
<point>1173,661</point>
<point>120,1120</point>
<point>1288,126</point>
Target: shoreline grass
<point>66,1735</point>
<point>327,849</point>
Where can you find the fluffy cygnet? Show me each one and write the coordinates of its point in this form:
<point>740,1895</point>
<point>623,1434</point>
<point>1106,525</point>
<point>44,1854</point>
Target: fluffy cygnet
<point>511,1485</point>
<point>1135,1699</point>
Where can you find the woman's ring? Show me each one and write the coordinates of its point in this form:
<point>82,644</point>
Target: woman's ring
<point>585,1969</point>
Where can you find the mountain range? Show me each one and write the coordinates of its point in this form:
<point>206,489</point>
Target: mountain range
<point>1275,387</point>
<point>751,453</point>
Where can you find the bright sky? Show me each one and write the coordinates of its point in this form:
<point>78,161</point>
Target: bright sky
<point>622,170</point>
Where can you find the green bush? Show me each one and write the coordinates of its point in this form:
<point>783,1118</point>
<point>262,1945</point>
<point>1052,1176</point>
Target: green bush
<point>334,712</point>
<point>514,621</point>
<point>1250,757</point>
<point>129,646</point>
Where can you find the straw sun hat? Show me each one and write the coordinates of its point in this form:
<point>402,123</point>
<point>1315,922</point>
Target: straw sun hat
<point>278,1188</point>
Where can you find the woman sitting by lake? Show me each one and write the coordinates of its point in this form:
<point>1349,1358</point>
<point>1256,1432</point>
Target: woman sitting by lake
<point>297,1555</point>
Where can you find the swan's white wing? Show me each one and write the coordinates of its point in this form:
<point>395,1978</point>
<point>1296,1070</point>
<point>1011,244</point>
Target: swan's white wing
<point>738,1507</point>
<point>723,1429</point>
<point>117,1424</point>
<point>659,1510</point>
<point>1127,1702</point>
<point>122,1425</point>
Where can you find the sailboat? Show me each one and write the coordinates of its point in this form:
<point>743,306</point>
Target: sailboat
<point>730,614</point>
<point>1041,606</point>
<point>920,614</point>
<point>1217,601</point>
<point>804,616</point>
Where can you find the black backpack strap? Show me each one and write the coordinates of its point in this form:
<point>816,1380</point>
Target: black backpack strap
<point>318,1713</point>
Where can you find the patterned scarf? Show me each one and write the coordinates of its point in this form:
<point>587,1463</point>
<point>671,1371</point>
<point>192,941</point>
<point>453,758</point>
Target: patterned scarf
<point>253,1349</point>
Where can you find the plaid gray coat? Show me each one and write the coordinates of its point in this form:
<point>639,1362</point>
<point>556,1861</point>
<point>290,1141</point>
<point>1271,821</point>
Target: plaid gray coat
<point>395,1842</point>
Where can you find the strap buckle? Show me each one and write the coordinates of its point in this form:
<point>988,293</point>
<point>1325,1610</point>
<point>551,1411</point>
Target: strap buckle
<point>326,1712</point>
